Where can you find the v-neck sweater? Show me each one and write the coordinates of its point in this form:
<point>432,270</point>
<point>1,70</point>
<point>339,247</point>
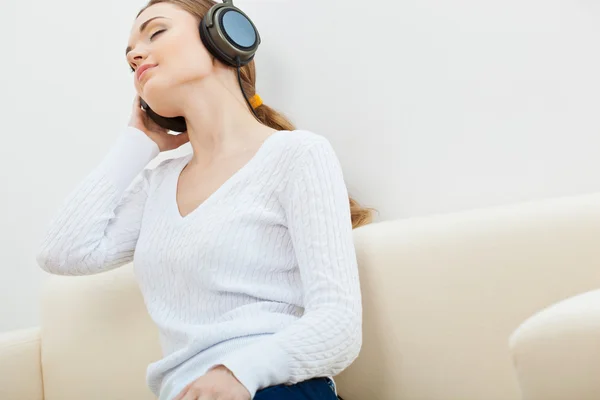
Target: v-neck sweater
<point>261,277</point>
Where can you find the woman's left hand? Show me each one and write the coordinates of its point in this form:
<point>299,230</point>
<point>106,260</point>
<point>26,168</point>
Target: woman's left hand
<point>218,383</point>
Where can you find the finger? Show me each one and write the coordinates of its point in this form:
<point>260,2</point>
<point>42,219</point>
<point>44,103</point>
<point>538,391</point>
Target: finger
<point>152,125</point>
<point>192,395</point>
<point>188,396</point>
<point>182,394</point>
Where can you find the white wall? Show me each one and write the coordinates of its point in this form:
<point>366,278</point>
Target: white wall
<point>433,105</point>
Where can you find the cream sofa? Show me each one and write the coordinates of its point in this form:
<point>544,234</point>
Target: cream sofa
<point>480,305</point>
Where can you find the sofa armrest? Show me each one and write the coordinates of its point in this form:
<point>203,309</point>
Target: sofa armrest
<point>20,366</point>
<point>556,352</point>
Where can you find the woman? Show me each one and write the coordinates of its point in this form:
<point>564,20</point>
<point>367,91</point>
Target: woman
<point>243,249</point>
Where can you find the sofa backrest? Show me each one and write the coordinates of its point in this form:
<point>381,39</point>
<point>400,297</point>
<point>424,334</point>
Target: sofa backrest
<point>97,338</point>
<point>441,296</point>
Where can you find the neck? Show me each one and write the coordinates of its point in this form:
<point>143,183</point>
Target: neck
<point>218,119</point>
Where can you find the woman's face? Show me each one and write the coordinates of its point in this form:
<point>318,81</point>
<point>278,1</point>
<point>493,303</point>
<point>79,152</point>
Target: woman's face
<point>166,39</point>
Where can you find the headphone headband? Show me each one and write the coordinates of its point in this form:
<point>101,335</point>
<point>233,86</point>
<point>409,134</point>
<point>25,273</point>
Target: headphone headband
<point>209,17</point>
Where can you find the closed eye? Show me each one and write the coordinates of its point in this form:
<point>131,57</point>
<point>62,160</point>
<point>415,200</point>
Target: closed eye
<point>157,33</point>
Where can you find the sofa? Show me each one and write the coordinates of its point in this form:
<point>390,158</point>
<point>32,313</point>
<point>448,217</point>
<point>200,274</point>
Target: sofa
<point>492,304</point>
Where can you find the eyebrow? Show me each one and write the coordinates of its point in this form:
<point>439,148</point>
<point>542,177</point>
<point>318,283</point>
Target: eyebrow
<point>142,27</point>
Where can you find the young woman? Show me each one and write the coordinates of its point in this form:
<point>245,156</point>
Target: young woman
<point>242,249</point>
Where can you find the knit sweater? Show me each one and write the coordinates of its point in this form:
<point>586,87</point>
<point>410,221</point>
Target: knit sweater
<point>261,277</point>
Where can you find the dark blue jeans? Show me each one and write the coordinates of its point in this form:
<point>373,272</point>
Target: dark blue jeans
<point>312,389</point>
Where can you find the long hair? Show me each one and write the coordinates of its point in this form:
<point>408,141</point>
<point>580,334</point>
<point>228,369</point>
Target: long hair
<point>266,115</point>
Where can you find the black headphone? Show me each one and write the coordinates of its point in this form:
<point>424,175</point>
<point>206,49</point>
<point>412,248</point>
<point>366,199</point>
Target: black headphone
<point>231,37</point>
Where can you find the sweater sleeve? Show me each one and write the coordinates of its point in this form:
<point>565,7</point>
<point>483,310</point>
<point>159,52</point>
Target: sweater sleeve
<point>97,226</point>
<point>328,337</point>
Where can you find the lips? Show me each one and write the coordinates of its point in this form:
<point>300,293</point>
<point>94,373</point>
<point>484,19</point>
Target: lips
<point>140,71</point>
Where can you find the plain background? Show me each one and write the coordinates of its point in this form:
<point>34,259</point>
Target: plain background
<point>433,106</point>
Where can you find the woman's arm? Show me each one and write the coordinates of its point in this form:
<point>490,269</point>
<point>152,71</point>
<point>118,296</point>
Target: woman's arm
<point>97,227</point>
<point>328,337</point>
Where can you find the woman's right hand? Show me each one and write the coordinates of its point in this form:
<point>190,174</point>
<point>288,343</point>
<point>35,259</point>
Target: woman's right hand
<point>164,140</point>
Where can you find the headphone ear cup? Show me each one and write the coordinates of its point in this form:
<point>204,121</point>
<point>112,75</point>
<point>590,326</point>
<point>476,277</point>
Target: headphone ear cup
<point>222,30</point>
<point>211,46</point>
<point>175,124</point>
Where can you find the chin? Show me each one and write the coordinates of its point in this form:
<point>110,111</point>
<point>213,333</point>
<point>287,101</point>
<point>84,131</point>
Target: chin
<point>157,97</point>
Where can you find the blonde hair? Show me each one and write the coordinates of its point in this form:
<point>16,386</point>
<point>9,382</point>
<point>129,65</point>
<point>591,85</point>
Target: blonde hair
<point>266,115</point>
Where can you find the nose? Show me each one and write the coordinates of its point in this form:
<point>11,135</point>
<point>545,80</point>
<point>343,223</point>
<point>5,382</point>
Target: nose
<point>136,57</point>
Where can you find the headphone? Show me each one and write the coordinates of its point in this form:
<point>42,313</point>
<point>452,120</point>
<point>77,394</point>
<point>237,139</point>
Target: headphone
<point>231,37</point>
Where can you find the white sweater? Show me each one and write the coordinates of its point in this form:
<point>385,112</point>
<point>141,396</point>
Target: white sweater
<point>261,277</point>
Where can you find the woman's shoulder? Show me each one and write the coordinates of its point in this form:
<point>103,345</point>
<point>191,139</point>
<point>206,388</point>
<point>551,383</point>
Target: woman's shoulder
<point>303,137</point>
<point>168,164</point>
<point>300,141</point>
<point>163,169</point>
